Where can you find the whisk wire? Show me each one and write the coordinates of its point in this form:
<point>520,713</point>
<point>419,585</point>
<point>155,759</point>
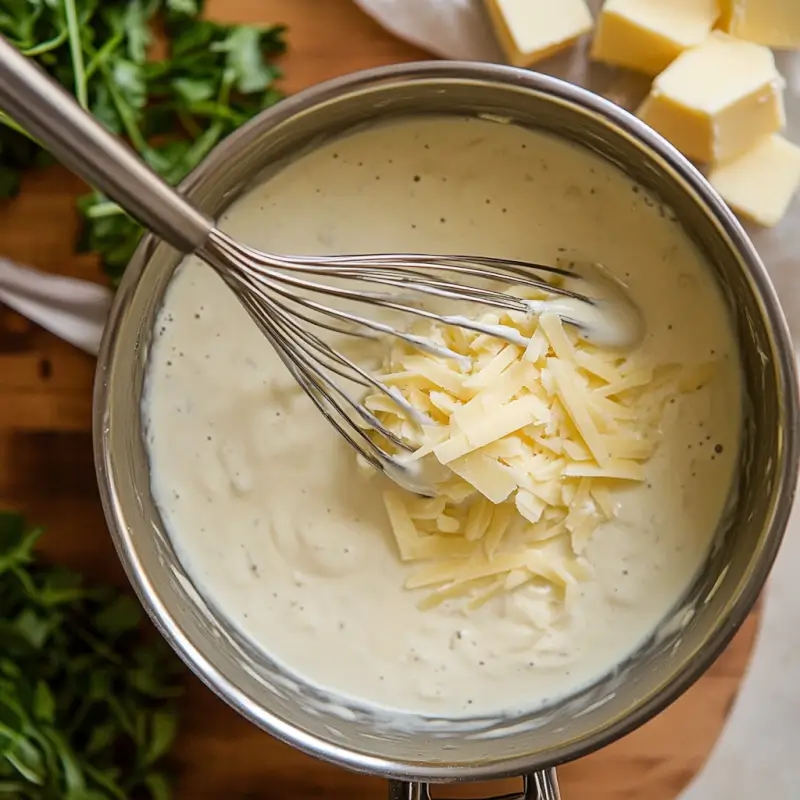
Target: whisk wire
<point>286,297</point>
<point>321,390</point>
<point>343,366</point>
<point>306,350</point>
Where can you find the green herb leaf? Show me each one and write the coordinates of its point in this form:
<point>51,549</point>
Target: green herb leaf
<point>244,46</point>
<point>173,110</point>
<point>86,704</point>
<point>32,627</point>
<point>158,786</point>
<point>123,614</point>
<point>163,727</point>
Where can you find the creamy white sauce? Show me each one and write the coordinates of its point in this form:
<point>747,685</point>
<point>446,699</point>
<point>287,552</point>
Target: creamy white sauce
<point>282,532</point>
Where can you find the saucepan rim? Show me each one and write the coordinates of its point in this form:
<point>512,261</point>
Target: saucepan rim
<point>786,384</point>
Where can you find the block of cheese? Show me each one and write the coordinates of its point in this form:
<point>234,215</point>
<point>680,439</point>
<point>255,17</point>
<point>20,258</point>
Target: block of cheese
<point>760,184</point>
<point>648,35</point>
<point>530,30</point>
<point>774,23</point>
<point>716,100</point>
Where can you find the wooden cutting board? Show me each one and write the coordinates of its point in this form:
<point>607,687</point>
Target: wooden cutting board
<point>46,469</point>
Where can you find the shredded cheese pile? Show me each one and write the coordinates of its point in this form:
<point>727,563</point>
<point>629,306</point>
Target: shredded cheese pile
<point>536,440</point>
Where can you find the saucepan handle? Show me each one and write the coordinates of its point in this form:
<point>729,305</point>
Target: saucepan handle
<point>537,786</point>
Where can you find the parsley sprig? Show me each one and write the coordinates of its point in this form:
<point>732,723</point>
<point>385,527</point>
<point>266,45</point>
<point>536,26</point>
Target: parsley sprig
<point>86,705</point>
<point>173,110</point>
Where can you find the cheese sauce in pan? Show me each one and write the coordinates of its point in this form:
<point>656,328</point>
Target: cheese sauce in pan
<point>265,503</point>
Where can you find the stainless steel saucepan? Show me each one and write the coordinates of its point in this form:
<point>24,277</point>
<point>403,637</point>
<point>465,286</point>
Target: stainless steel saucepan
<point>683,646</point>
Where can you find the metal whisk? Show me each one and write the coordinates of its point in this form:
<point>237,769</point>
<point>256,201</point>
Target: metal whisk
<point>293,299</point>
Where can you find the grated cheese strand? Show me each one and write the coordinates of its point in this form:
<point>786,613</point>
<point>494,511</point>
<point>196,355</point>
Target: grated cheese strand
<point>537,440</point>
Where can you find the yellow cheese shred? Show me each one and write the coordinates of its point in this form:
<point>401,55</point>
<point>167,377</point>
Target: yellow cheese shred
<point>538,440</point>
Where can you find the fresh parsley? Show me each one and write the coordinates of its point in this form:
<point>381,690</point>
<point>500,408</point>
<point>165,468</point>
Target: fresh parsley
<point>173,110</point>
<point>86,705</point>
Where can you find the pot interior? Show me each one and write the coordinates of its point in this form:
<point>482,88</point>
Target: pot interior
<point>682,646</point>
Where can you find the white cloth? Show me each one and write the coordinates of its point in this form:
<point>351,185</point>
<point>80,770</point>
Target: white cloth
<point>446,28</point>
<point>72,309</point>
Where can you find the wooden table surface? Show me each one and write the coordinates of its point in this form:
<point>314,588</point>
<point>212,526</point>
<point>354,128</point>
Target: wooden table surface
<point>46,469</point>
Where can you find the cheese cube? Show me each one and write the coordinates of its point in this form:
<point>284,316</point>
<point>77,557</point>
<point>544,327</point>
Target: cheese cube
<point>530,30</point>
<point>716,100</point>
<point>648,35</point>
<point>759,184</point>
<point>774,23</point>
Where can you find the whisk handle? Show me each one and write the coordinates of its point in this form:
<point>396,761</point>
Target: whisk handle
<point>53,117</point>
